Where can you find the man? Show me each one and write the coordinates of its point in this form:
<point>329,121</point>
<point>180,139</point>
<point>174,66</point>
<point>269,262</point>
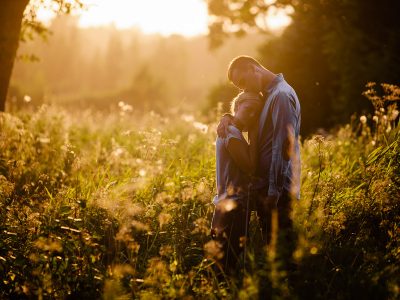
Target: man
<point>278,169</point>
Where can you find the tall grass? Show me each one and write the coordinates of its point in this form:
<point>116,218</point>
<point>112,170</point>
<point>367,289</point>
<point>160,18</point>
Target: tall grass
<point>119,206</point>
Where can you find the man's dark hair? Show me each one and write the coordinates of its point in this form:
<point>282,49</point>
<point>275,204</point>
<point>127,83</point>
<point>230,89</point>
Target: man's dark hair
<point>241,62</point>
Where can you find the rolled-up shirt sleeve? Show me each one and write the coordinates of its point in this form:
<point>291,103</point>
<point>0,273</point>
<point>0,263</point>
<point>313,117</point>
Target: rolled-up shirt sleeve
<point>233,133</point>
<point>283,123</point>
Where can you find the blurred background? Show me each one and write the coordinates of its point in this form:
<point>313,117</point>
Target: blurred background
<point>172,55</point>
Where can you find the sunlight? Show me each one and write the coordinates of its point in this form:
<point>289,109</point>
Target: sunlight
<point>185,17</point>
<point>276,18</point>
<point>279,18</point>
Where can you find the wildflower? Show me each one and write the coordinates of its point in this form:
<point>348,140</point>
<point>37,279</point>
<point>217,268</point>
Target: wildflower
<point>394,115</point>
<point>173,265</point>
<point>375,119</point>
<point>127,133</point>
<point>213,249</point>
<point>49,244</point>
<point>44,140</point>
<point>139,225</point>
<point>164,218</point>
<point>191,138</point>
<point>313,250</point>
<point>121,270</point>
<point>319,139</point>
<point>124,107</point>
<point>187,193</point>
<point>117,152</point>
<point>201,226</point>
<point>166,250</point>
<point>370,84</point>
<point>156,273</point>
<point>187,118</point>
<point>201,187</point>
<point>133,210</point>
<point>228,205</point>
<point>142,172</point>
<point>27,98</point>
<point>202,127</point>
<point>388,129</point>
<point>363,119</point>
<point>7,187</point>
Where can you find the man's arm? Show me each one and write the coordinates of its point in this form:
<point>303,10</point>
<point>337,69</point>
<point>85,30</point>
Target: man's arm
<point>283,141</point>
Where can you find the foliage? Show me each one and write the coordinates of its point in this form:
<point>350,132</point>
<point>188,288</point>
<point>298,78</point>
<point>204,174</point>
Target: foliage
<point>328,52</point>
<point>97,67</point>
<point>220,96</point>
<point>32,27</point>
<point>119,206</point>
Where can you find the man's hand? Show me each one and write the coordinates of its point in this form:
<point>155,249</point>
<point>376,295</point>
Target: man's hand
<point>226,120</point>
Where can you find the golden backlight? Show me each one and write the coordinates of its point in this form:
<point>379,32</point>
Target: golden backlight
<point>185,17</point>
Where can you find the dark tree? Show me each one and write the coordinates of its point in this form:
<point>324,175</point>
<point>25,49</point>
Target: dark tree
<point>16,24</point>
<point>328,53</point>
<point>11,14</point>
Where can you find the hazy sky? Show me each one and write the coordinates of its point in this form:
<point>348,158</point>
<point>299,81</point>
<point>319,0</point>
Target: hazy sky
<point>186,17</point>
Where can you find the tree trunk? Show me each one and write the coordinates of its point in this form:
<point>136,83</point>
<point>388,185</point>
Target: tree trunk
<point>11,14</point>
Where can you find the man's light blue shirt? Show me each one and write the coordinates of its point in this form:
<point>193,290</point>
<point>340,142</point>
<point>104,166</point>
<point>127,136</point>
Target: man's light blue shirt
<point>279,122</point>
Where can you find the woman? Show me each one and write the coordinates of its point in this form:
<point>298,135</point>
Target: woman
<point>235,166</point>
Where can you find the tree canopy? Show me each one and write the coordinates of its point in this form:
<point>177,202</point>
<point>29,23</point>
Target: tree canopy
<point>18,22</point>
<point>331,49</point>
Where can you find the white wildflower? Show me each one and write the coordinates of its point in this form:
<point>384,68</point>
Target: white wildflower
<point>27,98</point>
<point>394,115</point>
<point>44,140</point>
<point>202,127</point>
<point>117,152</point>
<point>187,118</point>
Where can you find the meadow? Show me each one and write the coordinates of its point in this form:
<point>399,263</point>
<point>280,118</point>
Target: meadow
<point>118,206</point>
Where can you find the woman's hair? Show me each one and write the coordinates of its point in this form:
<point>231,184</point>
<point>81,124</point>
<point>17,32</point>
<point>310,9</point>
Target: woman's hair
<point>251,97</point>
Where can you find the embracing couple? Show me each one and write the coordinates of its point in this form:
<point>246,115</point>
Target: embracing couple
<point>262,172</point>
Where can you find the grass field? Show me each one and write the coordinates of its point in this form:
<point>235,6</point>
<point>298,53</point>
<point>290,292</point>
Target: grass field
<point>119,206</point>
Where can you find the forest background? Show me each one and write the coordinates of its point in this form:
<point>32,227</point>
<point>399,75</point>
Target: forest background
<point>328,53</point>
<point>105,190</point>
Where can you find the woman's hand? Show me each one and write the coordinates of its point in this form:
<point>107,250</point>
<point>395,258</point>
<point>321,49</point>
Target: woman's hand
<point>226,120</point>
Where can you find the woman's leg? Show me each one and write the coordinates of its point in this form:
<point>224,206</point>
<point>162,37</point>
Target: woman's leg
<point>228,228</point>
<point>265,210</point>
